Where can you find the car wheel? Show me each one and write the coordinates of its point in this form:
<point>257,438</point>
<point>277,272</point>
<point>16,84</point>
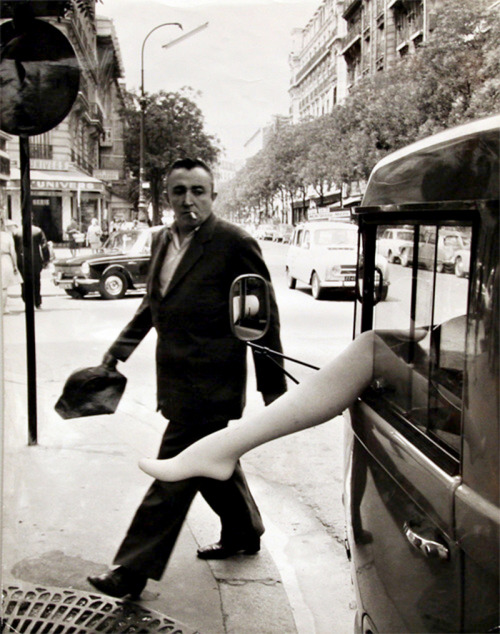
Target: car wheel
<point>405,260</point>
<point>75,293</point>
<point>316,286</point>
<point>459,267</point>
<point>113,285</point>
<point>290,281</point>
<point>384,292</point>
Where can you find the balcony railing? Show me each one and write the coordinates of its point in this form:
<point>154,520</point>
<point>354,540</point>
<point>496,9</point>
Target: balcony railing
<point>97,114</point>
<point>409,24</point>
<point>41,151</point>
<point>79,161</point>
<point>310,63</point>
<point>353,34</point>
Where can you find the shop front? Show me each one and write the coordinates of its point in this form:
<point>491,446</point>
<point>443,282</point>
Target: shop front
<point>58,197</point>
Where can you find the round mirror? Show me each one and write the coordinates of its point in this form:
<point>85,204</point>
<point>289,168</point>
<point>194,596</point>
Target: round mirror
<point>249,307</point>
<point>39,78</point>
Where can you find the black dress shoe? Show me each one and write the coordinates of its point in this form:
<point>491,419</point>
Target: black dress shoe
<point>222,550</point>
<point>119,583</point>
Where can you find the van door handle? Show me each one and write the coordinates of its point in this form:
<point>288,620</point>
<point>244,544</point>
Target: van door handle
<point>428,547</point>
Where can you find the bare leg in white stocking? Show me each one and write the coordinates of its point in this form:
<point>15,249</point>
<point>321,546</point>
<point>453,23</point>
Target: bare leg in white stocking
<point>316,400</point>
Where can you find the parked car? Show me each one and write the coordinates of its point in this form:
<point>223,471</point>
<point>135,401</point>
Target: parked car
<point>462,262</point>
<point>284,233</point>
<point>121,265</point>
<point>449,242</point>
<point>392,241</point>
<point>266,232</point>
<point>421,490</point>
<point>323,254</point>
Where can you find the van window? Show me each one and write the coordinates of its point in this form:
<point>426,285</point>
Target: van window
<point>336,237</point>
<point>306,241</point>
<point>424,324</point>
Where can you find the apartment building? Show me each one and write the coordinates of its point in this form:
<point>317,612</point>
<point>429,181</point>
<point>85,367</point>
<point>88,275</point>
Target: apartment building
<point>347,40</point>
<point>261,136</point>
<point>224,172</point>
<point>318,71</point>
<point>4,172</point>
<point>380,32</point>
<point>77,168</point>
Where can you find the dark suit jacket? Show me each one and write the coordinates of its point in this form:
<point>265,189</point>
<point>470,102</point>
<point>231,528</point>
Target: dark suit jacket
<point>201,366</point>
<point>41,255</point>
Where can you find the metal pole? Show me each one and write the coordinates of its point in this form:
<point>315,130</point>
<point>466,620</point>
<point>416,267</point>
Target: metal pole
<point>28,288</point>
<point>142,199</point>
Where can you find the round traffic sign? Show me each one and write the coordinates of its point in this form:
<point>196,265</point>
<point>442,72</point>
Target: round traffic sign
<point>39,77</point>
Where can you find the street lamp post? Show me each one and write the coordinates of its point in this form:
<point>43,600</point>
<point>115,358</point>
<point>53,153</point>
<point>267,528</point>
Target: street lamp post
<point>142,199</point>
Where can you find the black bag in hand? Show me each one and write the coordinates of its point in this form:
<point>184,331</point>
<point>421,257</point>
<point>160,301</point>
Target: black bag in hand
<point>91,392</point>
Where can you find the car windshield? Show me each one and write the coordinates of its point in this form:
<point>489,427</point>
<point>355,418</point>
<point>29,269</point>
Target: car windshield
<point>405,235</point>
<point>453,241</point>
<point>122,242</point>
<point>336,237</point>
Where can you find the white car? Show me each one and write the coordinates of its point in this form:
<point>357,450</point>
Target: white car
<point>266,232</point>
<point>393,241</point>
<point>323,254</point>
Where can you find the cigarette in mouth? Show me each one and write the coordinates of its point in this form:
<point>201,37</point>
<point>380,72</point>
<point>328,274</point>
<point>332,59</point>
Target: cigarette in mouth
<point>192,215</point>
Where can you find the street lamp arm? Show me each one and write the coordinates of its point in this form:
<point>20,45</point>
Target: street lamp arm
<point>186,35</point>
<point>142,202</point>
<point>159,26</point>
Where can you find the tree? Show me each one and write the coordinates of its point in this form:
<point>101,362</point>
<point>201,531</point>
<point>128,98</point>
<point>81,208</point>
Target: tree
<point>453,77</point>
<point>459,65</point>
<point>173,128</point>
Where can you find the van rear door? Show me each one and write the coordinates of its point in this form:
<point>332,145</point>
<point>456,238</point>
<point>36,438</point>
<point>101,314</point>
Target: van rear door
<point>405,466</point>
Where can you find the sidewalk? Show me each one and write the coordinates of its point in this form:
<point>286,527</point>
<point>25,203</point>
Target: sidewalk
<point>68,500</point>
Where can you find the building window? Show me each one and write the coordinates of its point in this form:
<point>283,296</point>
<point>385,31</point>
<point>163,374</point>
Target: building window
<point>380,45</point>
<point>41,146</point>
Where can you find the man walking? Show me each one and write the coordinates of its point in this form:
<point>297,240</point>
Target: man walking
<point>41,258</point>
<point>201,375</point>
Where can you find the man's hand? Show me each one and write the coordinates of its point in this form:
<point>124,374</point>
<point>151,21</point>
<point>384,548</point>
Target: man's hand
<point>109,361</point>
<point>269,398</point>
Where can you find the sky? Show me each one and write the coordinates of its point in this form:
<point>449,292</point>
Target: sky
<point>239,63</point>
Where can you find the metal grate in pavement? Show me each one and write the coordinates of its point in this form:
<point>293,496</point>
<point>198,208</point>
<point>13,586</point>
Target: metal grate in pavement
<point>57,611</point>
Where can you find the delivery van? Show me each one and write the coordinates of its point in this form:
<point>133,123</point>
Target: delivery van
<point>422,453</point>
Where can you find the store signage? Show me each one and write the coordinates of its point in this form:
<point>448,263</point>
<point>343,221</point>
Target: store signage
<point>65,185</point>
<point>343,214</point>
<point>46,164</point>
<point>107,175</point>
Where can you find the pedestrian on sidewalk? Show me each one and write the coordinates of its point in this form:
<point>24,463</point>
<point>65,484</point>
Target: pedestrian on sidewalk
<point>201,375</point>
<point>73,232</point>
<point>94,235</point>
<point>9,272</point>
<point>41,259</point>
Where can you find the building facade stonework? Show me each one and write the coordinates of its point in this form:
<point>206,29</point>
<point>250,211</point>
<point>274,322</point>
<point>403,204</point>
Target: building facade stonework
<point>347,40</point>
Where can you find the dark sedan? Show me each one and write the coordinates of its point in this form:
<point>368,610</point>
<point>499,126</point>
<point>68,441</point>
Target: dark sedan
<point>121,265</point>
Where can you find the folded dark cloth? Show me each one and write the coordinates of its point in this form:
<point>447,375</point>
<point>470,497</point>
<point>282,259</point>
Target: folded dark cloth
<point>91,392</point>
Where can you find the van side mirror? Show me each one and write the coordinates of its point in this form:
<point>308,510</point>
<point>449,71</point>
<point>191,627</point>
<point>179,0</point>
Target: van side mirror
<point>249,307</point>
<point>378,290</point>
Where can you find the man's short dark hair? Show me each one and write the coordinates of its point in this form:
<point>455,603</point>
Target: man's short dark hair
<point>189,164</point>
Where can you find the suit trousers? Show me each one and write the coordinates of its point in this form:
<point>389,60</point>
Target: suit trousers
<point>155,527</point>
<point>37,285</point>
